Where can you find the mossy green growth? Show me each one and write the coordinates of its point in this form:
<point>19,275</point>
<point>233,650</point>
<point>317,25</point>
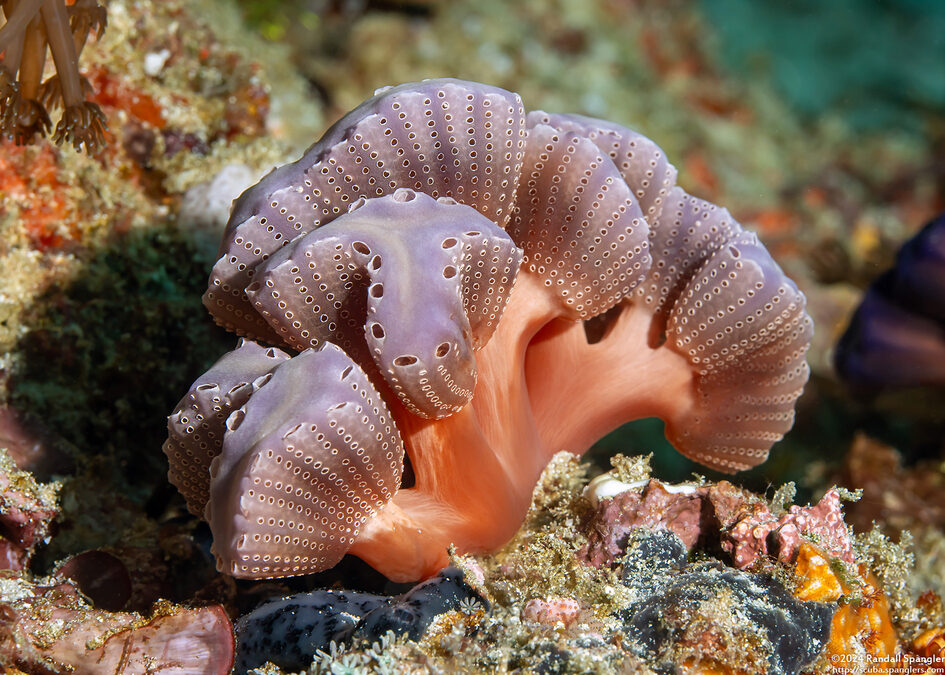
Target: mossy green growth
<point>274,18</point>
<point>894,564</point>
<point>108,353</point>
<point>540,562</point>
<point>633,468</point>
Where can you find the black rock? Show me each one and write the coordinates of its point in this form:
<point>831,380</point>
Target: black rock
<point>671,595</point>
<point>289,631</point>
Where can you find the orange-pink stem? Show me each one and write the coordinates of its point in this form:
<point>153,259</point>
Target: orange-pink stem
<point>541,388</point>
<point>580,392</point>
<point>476,469</point>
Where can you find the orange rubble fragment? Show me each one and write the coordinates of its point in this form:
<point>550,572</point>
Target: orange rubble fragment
<point>114,92</point>
<point>29,181</point>
<point>775,221</point>
<point>815,197</point>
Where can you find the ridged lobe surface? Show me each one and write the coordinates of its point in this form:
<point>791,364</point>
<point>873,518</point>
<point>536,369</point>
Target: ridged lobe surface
<point>311,456</point>
<point>688,231</point>
<point>196,427</point>
<point>742,325</point>
<point>356,282</point>
<point>446,138</point>
<point>640,161</point>
<point>578,222</point>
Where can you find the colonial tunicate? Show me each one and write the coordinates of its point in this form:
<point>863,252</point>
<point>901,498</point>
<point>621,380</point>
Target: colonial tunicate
<point>477,288</point>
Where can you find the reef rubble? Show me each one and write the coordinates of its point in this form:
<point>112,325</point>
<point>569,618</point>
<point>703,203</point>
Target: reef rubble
<point>622,573</point>
<point>667,598</point>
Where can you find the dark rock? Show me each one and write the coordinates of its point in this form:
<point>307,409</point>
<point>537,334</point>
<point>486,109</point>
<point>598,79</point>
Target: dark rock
<point>289,631</point>
<point>413,611</point>
<point>102,577</point>
<point>677,609</point>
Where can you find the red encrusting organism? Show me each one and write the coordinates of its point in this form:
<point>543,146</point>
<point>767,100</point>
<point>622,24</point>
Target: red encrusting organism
<point>476,288</point>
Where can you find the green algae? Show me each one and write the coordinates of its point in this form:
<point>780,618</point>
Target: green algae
<point>893,564</point>
<point>633,468</point>
<point>100,334</point>
<point>108,353</point>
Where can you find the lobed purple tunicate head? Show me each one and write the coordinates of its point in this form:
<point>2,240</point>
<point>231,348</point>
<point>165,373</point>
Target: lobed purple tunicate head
<point>195,429</point>
<point>387,255</point>
<point>353,282</point>
<point>578,222</point>
<point>305,462</point>
<point>684,236</point>
<point>743,327</point>
<point>639,160</point>
<point>717,295</point>
<point>593,206</point>
<point>445,138</point>
<point>896,338</point>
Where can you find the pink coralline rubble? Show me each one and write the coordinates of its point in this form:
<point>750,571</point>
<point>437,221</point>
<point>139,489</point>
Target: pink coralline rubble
<point>27,509</point>
<point>743,525</point>
<point>653,508</point>
<point>760,532</point>
<point>50,629</point>
<point>47,626</point>
<point>552,611</point>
